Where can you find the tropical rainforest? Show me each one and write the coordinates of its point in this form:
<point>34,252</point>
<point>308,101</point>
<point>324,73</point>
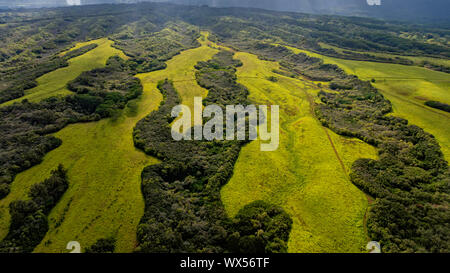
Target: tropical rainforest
<point>87,155</point>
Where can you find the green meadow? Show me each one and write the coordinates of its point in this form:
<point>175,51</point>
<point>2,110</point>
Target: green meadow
<point>407,87</point>
<point>308,174</point>
<point>54,83</point>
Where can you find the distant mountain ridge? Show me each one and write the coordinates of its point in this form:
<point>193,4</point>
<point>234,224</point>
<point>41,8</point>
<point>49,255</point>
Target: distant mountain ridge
<point>412,10</point>
<point>391,9</point>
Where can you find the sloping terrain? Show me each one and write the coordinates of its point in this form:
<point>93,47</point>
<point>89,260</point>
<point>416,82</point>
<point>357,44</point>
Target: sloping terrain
<point>308,174</point>
<point>104,167</point>
<point>408,88</point>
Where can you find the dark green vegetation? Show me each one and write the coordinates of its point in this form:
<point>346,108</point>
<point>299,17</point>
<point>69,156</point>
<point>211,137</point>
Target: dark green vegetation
<point>310,67</point>
<point>149,52</point>
<point>24,129</point>
<point>436,67</point>
<point>308,31</point>
<point>29,217</point>
<point>411,178</point>
<point>410,10</point>
<point>254,218</point>
<point>46,34</point>
<point>349,33</point>
<point>59,27</point>
<point>116,78</point>
<point>183,211</point>
<point>106,245</point>
<point>438,105</point>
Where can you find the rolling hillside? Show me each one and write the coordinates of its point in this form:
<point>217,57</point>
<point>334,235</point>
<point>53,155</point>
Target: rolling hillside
<point>87,101</point>
<point>408,88</point>
<point>308,175</point>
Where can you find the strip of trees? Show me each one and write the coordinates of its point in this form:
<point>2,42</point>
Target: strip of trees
<point>438,105</point>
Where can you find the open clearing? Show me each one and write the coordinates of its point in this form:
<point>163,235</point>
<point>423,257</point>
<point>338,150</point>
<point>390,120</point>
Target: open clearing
<point>305,175</point>
<point>54,83</point>
<point>407,87</point>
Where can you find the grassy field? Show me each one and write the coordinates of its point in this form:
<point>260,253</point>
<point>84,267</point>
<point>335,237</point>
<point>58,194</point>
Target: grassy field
<point>307,175</point>
<point>104,197</point>
<point>54,83</point>
<point>407,87</point>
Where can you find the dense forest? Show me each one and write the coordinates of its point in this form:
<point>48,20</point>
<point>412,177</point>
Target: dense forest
<point>183,208</point>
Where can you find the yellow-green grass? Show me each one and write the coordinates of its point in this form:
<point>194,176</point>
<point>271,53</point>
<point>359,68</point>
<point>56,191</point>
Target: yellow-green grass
<point>181,71</point>
<point>104,168</point>
<point>307,175</point>
<point>407,87</point>
<point>54,83</point>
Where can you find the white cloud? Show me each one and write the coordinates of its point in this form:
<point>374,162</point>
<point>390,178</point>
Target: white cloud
<point>374,2</point>
<point>73,2</point>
